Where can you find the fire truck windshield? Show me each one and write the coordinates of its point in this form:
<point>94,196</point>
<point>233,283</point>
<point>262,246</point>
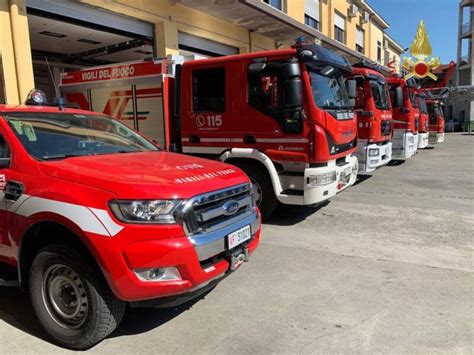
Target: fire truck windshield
<point>380,95</point>
<point>329,92</point>
<point>56,136</point>
<point>434,111</point>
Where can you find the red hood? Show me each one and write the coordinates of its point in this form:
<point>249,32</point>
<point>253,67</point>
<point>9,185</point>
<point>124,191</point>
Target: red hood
<point>148,175</point>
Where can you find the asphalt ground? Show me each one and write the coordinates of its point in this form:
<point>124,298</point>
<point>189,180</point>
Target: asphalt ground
<point>386,266</point>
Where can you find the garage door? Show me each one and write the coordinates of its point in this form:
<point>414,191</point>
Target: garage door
<point>204,46</point>
<point>91,15</point>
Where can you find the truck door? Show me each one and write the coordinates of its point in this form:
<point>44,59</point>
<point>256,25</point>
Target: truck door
<point>276,124</point>
<point>205,117</point>
<point>6,187</point>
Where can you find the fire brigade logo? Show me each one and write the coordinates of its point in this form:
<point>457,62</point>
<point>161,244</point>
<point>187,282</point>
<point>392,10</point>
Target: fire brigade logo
<point>421,49</point>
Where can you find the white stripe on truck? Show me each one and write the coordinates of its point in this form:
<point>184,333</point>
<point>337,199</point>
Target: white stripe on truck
<point>90,220</point>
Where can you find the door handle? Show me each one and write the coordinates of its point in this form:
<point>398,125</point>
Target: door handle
<point>250,140</point>
<point>13,190</point>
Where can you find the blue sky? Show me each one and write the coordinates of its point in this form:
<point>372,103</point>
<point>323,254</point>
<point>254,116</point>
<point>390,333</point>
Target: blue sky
<point>440,17</point>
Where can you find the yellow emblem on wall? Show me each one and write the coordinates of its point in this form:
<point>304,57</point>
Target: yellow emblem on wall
<point>421,49</point>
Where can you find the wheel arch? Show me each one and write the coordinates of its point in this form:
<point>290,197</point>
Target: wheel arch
<point>238,156</point>
<point>44,233</point>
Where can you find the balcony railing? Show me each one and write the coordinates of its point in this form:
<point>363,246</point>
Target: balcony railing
<point>466,28</point>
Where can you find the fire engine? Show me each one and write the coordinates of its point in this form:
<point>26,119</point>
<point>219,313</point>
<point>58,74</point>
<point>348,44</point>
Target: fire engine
<point>436,121</point>
<point>405,117</point>
<point>374,117</point>
<point>95,216</point>
<point>283,116</point>
<point>423,123</point>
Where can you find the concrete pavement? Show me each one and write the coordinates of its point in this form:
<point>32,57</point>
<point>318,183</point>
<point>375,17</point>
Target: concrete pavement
<point>386,266</point>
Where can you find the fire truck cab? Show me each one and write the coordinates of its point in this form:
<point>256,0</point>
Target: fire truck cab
<point>436,121</point>
<point>283,116</point>
<point>423,123</point>
<point>405,117</point>
<point>374,117</point>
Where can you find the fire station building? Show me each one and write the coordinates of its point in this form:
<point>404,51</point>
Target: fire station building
<point>69,34</point>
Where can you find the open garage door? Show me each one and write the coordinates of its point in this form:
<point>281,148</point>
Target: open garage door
<point>194,47</point>
<point>69,35</point>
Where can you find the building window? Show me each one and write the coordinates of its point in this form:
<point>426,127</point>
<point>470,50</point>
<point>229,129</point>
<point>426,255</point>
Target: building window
<point>277,4</point>
<point>339,28</point>
<point>209,90</point>
<point>379,51</point>
<point>311,13</point>
<point>311,22</point>
<point>359,40</point>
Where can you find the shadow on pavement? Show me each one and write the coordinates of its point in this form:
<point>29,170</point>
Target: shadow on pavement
<point>361,178</point>
<point>288,215</point>
<point>16,310</point>
<point>142,320</point>
<point>395,162</point>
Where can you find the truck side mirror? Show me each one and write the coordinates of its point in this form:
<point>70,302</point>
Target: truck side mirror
<point>351,89</point>
<point>398,97</point>
<point>292,83</point>
<point>5,163</point>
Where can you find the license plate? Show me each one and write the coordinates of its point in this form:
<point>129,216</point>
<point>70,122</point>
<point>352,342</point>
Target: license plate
<point>239,236</point>
<point>348,171</point>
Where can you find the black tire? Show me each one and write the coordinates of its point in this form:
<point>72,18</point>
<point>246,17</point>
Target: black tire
<point>259,176</point>
<point>94,312</point>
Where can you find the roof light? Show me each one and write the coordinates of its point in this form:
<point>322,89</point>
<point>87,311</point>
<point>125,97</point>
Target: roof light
<point>36,97</point>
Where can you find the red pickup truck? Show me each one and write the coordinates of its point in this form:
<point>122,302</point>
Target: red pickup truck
<point>93,216</point>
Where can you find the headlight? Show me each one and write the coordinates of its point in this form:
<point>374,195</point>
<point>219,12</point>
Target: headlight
<point>149,211</point>
<point>374,152</point>
<point>322,179</point>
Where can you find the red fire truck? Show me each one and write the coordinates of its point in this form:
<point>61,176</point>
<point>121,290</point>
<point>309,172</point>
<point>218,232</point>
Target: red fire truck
<point>374,117</point>
<point>436,121</point>
<point>405,117</point>
<point>95,216</point>
<point>283,116</point>
<point>423,123</point>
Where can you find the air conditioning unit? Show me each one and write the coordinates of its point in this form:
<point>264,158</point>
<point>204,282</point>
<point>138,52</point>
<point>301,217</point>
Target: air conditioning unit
<point>365,18</point>
<point>353,10</point>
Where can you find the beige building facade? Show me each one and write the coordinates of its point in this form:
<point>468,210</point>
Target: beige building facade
<point>71,34</point>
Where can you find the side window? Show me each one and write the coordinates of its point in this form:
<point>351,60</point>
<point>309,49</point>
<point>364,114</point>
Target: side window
<point>209,90</point>
<point>360,96</point>
<point>4,148</point>
<point>265,92</point>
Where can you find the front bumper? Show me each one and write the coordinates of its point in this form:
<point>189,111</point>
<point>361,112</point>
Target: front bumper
<point>368,163</point>
<point>346,175</point>
<point>145,247</point>
<point>404,144</point>
<point>423,140</point>
<point>440,137</point>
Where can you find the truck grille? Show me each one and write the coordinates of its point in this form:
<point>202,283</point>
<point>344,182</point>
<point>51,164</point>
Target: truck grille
<point>218,209</point>
<point>386,128</point>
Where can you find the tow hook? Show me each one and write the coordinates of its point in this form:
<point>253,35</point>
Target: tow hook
<point>238,258</point>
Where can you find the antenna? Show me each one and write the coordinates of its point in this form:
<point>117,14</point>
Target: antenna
<point>58,100</point>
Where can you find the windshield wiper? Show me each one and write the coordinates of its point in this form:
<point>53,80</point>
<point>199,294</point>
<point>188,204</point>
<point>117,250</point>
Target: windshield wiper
<point>62,156</point>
